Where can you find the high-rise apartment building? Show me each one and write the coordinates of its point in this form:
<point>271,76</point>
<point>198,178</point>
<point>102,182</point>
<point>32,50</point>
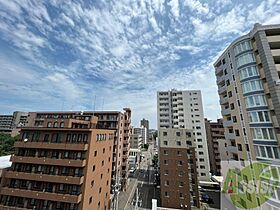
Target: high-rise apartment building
<point>249,88</point>
<point>8,123</point>
<point>183,109</point>
<point>118,121</point>
<point>143,132</point>
<point>178,172</point>
<point>65,163</point>
<point>216,145</point>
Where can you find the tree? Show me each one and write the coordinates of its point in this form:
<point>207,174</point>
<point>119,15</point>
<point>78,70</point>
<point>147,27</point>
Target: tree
<point>7,144</point>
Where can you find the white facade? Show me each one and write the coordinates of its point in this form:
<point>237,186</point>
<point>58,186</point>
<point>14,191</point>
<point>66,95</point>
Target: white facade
<point>143,132</point>
<point>183,109</point>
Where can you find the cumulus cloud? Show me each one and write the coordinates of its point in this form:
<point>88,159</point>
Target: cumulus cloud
<point>121,52</point>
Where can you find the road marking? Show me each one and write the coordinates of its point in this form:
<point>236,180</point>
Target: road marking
<point>132,192</point>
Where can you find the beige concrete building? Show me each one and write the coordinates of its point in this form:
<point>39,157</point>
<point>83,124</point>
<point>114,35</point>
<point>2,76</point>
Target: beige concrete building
<point>248,79</point>
<point>10,123</point>
<point>178,172</point>
<point>183,109</point>
<point>65,163</point>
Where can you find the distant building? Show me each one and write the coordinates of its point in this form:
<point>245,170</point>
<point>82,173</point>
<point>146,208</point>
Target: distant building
<point>178,172</point>
<point>145,124</point>
<point>10,123</point>
<point>183,109</point>
<point>136,143</point>
<point>63,164</point>
<point>143,132</point>
<point>216,145</point>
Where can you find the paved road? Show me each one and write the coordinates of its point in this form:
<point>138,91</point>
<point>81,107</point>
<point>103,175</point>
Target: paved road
<point>142,180</point>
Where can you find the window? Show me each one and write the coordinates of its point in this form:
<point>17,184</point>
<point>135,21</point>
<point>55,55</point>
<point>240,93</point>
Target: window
<point>200,146</point>
<point>166,194</point>
<point>92,183</point>
<point>255,101</point>
<point>98,205</point>
<point>166,172</point>
<point>237,132</point>
<point>259,116</point>
<point>180,173</point>
<point>263,133</point>
<point>93,168</point>
<point>202,167</point>
<point>100,189</point>
<point>102,163</point>
<point>250,86</point>
<point>178,143</point>
<point>181,184</point>
<point>49,124</point>
<point>234,119</point>
<point>201,159</point>
<point>181,195</point>
<point>247,72</point>
<point>166,183</point>
<point>164,133</point>
<point>95,153</point>
<point>245,59</point>
<point>90,200</point>
<point>200,153</point>
<point>180,163</point>
<point>165,152</point>
<point>165,142</point>
<point>101,176</point>
<point>55,124</point>
<point>232,106</point>
<point>178,133</point>
<point>62,124</point>
<point>165,162</point>
<point>202,174</point>
<point>103,150</point>
<point>179,153</point>
<point>46,137</point>
<point>242,46</point>
<point>239,146</point>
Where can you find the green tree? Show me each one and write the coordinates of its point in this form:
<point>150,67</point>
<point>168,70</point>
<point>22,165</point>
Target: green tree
<point>7,144</point>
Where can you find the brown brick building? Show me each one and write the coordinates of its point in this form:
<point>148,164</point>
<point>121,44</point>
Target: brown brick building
<point>63,163</point>
<point>178,173</point>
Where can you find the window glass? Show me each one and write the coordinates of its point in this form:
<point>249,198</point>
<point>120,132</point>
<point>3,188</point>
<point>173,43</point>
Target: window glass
<point>262,151</point>
<point>269,152</point>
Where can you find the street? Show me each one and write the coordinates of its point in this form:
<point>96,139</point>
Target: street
<point>141,181</point>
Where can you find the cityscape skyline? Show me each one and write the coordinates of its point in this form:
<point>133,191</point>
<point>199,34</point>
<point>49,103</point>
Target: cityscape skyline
<point>109,53</point>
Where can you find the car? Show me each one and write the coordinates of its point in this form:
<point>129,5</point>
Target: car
<point>205,198</point>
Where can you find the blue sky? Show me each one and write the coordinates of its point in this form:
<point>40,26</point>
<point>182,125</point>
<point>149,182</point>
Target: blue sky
<point>66,55</point>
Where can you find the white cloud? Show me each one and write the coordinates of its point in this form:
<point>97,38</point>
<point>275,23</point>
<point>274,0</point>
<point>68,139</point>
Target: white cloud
<point>175,9</point>
<point>68,20</point>
<point>197,6</point>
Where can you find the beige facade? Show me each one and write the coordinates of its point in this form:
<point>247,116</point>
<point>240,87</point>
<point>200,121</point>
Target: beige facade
<point>65,163</point>
<point>248,79</point>
<point>178,168</point>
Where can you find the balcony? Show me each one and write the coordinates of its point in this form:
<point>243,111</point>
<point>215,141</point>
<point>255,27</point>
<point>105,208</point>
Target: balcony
<point>219,69</point>
<point>228,123</point>
<point>232,149</point>
<point>230,136</point>
<point>275,53</point>
<point>11,208</point>
<point>278,67</point>
<point>272,39</point>
<point>224,100</point>
<point>226,112</point>
<point>47,145</point>
<point>270,104</point>
<point>44,177</point>
<point>222,89</point>
<point>220,79</point>
<point>49,161</point>
<point>41,195</point>
<point>258,59</point>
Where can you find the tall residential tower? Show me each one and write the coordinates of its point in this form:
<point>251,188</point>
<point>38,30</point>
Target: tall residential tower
<point>183,109</point>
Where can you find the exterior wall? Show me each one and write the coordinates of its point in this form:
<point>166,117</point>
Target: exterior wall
<point>145,124</point>
<point>183,109</point>
<point>6,123</point>
<point>177,157</point>
<point>216,144</point>
<point>54,166</point>
<point>248,85</point>
<point>100,199</point>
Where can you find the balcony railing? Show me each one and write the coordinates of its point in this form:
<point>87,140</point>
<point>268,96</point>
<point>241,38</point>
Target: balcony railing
<point>45,177</point>
<point>41,195</point>
<point>48,145</point>
<point>49,161</point>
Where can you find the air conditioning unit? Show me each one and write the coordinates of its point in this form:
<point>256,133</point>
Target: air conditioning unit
<point>277,82</point>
